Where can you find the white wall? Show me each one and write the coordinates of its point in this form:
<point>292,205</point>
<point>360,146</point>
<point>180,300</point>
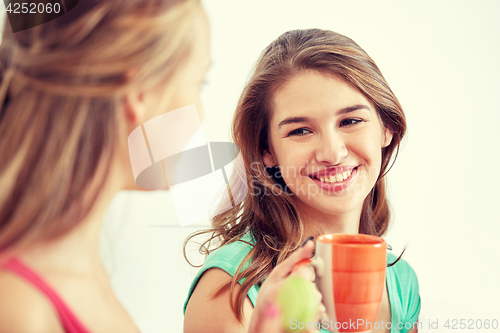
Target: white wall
<point>441,58</point>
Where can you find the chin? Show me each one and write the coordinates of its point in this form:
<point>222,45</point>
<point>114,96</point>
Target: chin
<point>337,211</point>
<point>331,206</point>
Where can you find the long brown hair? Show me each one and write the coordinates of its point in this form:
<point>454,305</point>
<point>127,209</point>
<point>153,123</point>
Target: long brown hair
<point>62,96</point>
<point>272,219</point>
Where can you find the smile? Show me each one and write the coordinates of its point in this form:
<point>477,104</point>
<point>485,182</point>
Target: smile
<point>335,181</point>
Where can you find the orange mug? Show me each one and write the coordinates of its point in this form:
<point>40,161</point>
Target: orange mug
<point>350,274</point>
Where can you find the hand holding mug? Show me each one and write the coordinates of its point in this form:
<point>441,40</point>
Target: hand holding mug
<point>268,316</point>
<point>350,275</point>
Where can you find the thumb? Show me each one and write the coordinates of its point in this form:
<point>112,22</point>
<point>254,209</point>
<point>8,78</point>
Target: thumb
<point>266,319</point>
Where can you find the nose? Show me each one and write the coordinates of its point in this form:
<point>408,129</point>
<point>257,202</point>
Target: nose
<point>331,148</point>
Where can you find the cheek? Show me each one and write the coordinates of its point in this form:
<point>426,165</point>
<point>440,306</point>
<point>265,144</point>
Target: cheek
<point>190,94</point>
<point>293,168</point>
<point>199,105</point>
<point>185,95</point>
<point>293,159</point>
<point>179,98</point>
<point>367,147</point>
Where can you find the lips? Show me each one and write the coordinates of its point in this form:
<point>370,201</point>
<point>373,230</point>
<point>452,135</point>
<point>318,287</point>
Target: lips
<point>333,175</point>
<point>334,179</point>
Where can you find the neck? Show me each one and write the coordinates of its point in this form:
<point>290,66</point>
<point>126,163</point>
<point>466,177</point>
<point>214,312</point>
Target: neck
<point>77,251</point>
<point>318,223</point>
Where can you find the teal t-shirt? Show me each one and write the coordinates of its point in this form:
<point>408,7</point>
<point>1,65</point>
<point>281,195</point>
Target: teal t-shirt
<point>402,283</point>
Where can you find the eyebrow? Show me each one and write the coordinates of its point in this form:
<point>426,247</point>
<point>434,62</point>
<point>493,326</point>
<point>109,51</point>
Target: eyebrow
<point>292,120</point>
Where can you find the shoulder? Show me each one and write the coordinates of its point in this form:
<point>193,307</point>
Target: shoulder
<point>227,259</point>
<point>403,272</point>
<point>208,307</point>
<point>230,256</point>
<point>210,311</point>
<point>403,284</point>
<point>23,309</point>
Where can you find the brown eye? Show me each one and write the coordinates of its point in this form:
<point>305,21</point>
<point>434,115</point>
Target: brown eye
<point>299,132</point>
<point>350,122</point>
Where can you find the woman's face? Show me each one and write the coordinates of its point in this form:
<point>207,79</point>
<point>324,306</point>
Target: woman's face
<point>327,139</point>
<point>185,88</point>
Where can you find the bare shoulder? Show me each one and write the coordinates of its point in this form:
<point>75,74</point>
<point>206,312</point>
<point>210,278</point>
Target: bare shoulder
<point>204,313</point>
<point>23,309</point>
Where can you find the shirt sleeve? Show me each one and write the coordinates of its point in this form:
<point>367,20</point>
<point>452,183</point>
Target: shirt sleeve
<point>228,258</point>
<point>412,297</point>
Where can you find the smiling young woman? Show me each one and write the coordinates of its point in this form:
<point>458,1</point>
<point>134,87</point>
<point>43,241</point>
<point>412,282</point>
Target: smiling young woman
<point>326,137</point>
<point>318,126</point>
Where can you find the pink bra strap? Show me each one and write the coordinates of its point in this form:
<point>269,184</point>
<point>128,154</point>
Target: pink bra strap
<point>69,321</point>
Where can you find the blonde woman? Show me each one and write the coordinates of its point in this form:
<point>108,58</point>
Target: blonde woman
<point>71,92</point>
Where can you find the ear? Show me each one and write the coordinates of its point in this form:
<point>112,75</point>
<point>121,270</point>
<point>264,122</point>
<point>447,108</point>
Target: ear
<point>135,108</point>
<point>388,134</point>
<point>269,160</point>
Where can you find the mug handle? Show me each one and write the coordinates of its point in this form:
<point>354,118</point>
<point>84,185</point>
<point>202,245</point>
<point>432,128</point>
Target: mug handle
<point>317,264</point>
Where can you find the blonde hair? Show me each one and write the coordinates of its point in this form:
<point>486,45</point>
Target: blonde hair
<point>62,94</point>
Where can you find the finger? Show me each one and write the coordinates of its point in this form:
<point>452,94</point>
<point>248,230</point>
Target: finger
<point>300,264</point>
<point>321,314</point>
<point>266,319</point>
<point>283,269</point>
<point>305,271</point>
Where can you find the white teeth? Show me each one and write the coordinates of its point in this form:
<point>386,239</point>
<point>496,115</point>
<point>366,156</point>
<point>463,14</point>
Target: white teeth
<point>338,178</point>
